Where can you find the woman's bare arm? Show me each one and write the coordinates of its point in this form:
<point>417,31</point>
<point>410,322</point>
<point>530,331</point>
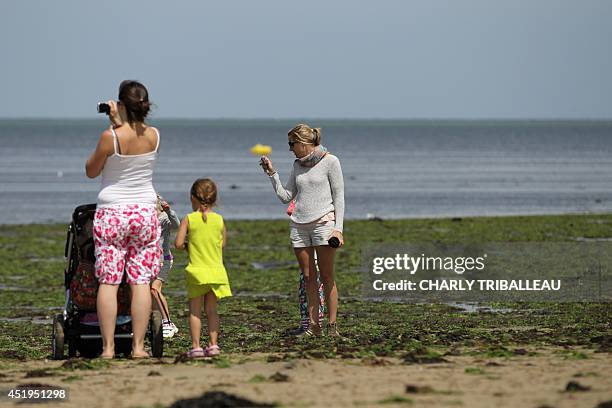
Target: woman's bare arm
<point>97,160</point>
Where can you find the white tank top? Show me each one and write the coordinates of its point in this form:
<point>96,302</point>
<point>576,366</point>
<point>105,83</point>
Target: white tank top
<point>128,179</point>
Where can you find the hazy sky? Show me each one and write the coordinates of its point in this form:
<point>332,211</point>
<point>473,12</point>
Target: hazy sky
<point>326,59</point>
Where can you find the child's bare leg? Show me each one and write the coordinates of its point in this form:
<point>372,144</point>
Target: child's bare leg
<point>212,317</point>
<point>158,284</point>
<point>141,313</point>
<point>106,306</point>
<point>195,320</point>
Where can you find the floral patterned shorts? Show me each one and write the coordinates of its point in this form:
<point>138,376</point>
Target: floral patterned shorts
<point>126,238</point>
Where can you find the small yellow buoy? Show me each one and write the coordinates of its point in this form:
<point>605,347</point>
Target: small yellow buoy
<point>261,150</point>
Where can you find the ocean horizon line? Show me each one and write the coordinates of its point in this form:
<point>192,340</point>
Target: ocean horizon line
<point>323,122</point>
<point>447,120</point>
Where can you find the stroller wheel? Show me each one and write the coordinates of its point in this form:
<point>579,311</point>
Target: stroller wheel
<point>57,341</point>
<point>156,334</point>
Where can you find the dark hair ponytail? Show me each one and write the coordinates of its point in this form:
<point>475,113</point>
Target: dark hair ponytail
<point>135,97</point>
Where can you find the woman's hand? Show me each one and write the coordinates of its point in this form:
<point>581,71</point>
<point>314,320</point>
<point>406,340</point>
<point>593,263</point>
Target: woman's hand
<point>165,206</point>
<point>113,115</point>
<point>338,235</point>
<point>266,165</point>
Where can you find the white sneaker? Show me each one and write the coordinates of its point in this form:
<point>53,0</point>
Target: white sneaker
<point>168,330</point>
<point>174,327</point>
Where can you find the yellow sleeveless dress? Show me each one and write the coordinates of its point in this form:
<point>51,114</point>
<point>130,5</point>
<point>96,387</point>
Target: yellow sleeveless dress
<point>205,271</point>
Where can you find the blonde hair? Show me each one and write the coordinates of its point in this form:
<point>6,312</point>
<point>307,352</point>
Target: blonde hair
<point>204,191</point>
<point>305,134</point>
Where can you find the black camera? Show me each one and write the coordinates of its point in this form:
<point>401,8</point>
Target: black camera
<point>103,107</point>
<point>334,242</point>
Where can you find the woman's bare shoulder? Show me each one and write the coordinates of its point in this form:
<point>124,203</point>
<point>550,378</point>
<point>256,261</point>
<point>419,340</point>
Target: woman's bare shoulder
<point>153,130</point>
<point>152,135</point>
<point>106,134</point>
<point>106,142</point>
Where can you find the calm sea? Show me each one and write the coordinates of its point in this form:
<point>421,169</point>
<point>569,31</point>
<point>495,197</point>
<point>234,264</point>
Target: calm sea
<point>392,169</point>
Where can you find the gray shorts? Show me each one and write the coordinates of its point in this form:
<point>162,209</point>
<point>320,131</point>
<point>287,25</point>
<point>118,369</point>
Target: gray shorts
<point>164,271</point>
<point>310,235</point>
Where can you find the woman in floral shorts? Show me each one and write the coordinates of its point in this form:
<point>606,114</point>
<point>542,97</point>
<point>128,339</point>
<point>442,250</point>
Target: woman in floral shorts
<point>126,228</point>
<point>127,238</point>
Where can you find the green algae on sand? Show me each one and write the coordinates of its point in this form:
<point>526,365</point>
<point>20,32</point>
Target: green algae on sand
<point>266,303</point>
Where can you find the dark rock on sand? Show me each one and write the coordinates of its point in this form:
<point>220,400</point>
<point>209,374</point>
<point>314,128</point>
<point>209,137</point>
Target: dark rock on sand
<point>604,342</point>
<point>574,386</point>
<point>217,399</point>
<point>279,377</point>
<point>39,373</point>
<point>414,358</point>
<point>418,389</point>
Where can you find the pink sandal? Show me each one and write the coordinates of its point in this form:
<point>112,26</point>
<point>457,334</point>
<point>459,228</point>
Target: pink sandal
<point>212,351</point>
<point>196,353</point>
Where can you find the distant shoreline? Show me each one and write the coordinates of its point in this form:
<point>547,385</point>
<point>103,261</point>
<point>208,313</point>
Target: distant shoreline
<point>335,121</point>
<point>383,219</point>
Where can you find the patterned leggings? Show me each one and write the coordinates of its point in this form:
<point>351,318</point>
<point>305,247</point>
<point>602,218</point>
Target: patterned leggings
<point>304,320</point>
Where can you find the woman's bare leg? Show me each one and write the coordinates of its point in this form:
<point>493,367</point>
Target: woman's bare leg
<point>141,313</point>
<point>325,256</point>
<point>106,306</point>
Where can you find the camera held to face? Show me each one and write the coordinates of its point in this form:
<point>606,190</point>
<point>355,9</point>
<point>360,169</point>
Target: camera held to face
<point>103,107</point>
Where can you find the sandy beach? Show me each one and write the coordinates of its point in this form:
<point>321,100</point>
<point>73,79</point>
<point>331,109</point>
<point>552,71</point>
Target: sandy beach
<point>395,354</point>
<point>518,381</point>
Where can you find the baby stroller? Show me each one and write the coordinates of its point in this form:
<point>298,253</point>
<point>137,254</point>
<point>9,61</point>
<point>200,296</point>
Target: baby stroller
<point>78,327</point>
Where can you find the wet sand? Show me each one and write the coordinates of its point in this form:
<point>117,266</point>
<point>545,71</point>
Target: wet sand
<point>521,381</point>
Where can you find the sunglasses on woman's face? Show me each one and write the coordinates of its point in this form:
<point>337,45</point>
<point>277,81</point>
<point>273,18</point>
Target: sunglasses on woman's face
<point>291,144</point>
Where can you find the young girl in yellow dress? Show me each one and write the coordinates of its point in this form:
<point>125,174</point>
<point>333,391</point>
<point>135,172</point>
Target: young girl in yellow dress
<point>203,234</point>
